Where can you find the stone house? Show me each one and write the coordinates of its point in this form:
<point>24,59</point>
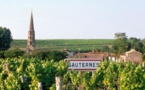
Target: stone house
<point>132,55</point>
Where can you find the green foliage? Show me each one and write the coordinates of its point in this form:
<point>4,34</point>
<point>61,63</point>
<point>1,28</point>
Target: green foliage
<point>76,78</point>
<point>56,55</point>
<point>143,58</point>
<point>5,38</point>
<point>53,87</point>
<point>120,36</point>
<point>110,76</point>
<point>33,70</point>
<point>13,53</point>
<point>12,82</point>
<point>66,78</point>
<point>72,44</point>
<point>39,54</point>
<point>39,73</point>
<point>136,44</point>
<point>2,54</point>
<point>61,68</point>
<point>49,55</point>
<point>132,77</point>
<point>122,44</point>
<point>119,46</point>
<point>86,82</point>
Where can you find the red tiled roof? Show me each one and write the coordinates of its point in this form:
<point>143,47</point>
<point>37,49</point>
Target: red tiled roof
<point>87,55</point>
<point>87,59</point>
<point>133,50</point>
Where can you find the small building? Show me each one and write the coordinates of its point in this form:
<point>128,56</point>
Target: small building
<point>132,55</point>
<point>113,57</point>
<point>70,53</point>
<point>89,55</point>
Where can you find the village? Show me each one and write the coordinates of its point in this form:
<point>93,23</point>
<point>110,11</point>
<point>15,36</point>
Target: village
<point>72,45</point>
<point>66,68</point>
<point>132,55</point>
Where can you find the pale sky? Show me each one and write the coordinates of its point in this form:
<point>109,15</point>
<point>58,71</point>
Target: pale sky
<point>74,19</point>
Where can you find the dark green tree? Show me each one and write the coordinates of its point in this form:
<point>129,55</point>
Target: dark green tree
<point>5,38</point>
<point>135,43</point>
<point>120,36</point>
<point>120,43</point>
<point>143,48</point>
<point>13,53</point>
<point>49,55</point>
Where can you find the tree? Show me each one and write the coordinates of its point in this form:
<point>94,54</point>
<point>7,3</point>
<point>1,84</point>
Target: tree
<point>120,44</point>
<point>49,55</point>
<point>5,38</point>
<point>120,36</point>
<point>135,43</point>
<point>143,42</point>
<point>13,53</point>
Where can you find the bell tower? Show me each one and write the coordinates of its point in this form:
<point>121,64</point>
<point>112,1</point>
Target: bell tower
<point>31,36</point>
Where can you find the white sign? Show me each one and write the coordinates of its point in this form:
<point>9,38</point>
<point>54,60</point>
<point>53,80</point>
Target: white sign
<point>84,64</point>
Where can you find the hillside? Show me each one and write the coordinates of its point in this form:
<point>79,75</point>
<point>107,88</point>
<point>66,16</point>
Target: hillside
<point>70,44</point>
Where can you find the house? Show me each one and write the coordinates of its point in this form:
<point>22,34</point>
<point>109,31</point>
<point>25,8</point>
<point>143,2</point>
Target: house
<point>92,54</point>
<point>132,55</point>
<point>113,57</point>
<point>70,53</point>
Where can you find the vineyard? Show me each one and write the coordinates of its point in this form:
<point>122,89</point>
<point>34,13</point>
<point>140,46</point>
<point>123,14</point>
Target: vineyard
<point>73,45</point>
<point>29,74</point>
<point>26,74</point>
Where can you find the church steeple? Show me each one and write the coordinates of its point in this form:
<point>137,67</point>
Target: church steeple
<point>31,36</point>
<point>31,27</point>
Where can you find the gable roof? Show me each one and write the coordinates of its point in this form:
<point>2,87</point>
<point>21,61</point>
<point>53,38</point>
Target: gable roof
<point>133,50</point>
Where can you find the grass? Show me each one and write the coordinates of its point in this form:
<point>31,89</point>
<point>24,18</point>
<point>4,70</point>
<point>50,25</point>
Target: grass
<point>70,44</point>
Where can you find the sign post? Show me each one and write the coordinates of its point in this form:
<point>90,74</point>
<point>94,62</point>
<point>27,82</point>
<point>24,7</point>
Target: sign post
<point>83,64</point>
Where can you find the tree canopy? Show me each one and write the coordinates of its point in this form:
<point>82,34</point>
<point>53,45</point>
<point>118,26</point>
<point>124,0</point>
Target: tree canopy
<point>5,38</point>
<point>120,43</point>
<point>120,36</point>
<point>135,43</point>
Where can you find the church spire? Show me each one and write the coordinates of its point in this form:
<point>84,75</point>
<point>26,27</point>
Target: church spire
<point>31,27</point>
<point>31,36</point>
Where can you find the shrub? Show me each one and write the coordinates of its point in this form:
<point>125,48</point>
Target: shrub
<point>13,53</point>
<point>2,54</point>
<point>49,55</point>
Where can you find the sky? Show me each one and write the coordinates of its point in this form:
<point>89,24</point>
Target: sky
<point>74,19</point>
